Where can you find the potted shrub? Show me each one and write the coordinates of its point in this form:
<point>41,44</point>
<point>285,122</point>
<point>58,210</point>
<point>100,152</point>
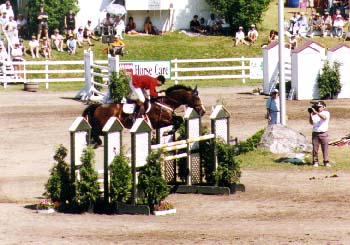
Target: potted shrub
<point>164,208</point>
<point>46,206</point>
<point>31,86</point>
<point>329,81</point>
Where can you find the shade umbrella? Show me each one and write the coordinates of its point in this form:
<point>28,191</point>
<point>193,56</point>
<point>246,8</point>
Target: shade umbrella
<point>116,9</point>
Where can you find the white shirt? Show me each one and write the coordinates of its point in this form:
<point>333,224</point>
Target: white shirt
<point>240,35</point>
<point>320,125</point>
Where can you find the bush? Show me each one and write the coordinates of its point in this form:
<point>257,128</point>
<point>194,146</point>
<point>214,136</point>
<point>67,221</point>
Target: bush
<point>87,187</point>
<point>151,182</point>
<point>59,187</point>
<point>251,143</point>
<point>329,81</point>
<point>120,179</point>
<point>118,86</point>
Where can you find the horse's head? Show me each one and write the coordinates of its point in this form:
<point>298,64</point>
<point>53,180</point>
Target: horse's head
<point>181,95</point>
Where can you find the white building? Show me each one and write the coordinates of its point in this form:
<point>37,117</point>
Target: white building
<point>166,15</point>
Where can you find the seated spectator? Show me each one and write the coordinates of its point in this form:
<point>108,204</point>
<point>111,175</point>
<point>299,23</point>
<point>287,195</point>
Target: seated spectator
<point>16,54</point>
<point>34,47</point>
<point>327,26</point>
<point>252,34</point>
<point>4,58</point>
<point>57,40</point>
<point>107,25</point>
<point>7,7</point>
<point>22,47</point>
<point>202,22</point>
<point>240,37</point>
<point>90,32</point>
<point>82,37</point>
<point>212,25</point>
<point>3,21</point>
<point>338,26</point>
<point>45,48</point>
<point>22,26</point>
<point>292,22</point>
<point>147,26</point>
<point>131,27</point>
<point>316,25</point>
<point>301,25</point>
<point>119,27</point>
<point>195,25</point>
<point>71,44</point>
<point>292,43</point>
<point>118,47</point>
<point>273,37</point>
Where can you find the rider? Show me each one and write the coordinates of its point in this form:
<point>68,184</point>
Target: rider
<point>140,83</point>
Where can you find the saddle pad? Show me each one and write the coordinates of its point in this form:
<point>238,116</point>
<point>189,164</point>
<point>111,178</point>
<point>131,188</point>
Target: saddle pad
<point>128,108</point>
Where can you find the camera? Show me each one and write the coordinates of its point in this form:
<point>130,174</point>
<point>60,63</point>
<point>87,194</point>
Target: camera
<point>107,39</point>
<point>315,105</point>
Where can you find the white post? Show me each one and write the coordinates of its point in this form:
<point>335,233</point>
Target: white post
<point>47,74</point>
<point>243,71</point>
<point>84,93</point>
<point>281,62</point>
<point>176,73</point>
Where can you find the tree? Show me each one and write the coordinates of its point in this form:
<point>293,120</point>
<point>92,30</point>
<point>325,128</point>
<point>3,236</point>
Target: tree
<point>56,10</point>
<point>329,84</point>
<point>240,12</point>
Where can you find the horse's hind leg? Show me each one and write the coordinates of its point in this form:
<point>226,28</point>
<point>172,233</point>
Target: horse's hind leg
<point>177,121</point>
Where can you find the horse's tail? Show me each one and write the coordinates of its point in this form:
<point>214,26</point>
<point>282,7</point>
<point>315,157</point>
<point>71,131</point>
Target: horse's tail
<point>88,113</point>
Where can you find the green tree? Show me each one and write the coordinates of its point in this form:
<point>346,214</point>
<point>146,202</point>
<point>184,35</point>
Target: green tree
<point>120,179</point>
<point>329,84</point>
<point>56,10</point>
<point>59,187</point>
<point>87,186</point>
<point>119,86</point>
<point>240,12</point>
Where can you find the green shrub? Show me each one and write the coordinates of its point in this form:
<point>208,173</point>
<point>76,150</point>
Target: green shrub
<point>119,86</point>
<point>120,179</point>
<point>329,81</point>
<point>251,143</point>
<point>87,186</point>
<point>228,171</point>
<point>151,182</point>
<point>59,187</point>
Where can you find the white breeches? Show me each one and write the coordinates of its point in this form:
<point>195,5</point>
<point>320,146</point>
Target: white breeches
<point>138,92</point>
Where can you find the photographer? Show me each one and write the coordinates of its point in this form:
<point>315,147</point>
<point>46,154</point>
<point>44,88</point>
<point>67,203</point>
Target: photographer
<point>319,119</point>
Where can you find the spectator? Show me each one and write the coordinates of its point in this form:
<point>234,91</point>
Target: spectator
<point>292,44</point>
<point>252,34</point>
<point>118,47</point>
<point>82,37</point>
<point>327,26</point>
<point>316,25</point>
<point>17,54</point>
<point>7,7</point>
<point>11,30</point>
<point>90,31</point>
<point>22,26</point>
<point>69,20</point>
<point>212,25</point>
<point>273,108</point>
<point>22,47</point>
<point>34,47</point>
<point>302,25</point>
<point>3,58</point>
<point>131,27</point>
<point>148,25</point>
<point>42,21</point>
<point>45,48</point>
<point>57,40</point>
<point>319,119</point>
<point>195,25</point>
<point>240,37</point>
<point>119,26</point>
<point>107,25</point>
<point>292,22</point>
<point>338,25</point>
<point>3,21</point>
<point>273,37</point>
<point>71,44</point>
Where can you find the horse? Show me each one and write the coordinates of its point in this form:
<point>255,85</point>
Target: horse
<point>161,112</point>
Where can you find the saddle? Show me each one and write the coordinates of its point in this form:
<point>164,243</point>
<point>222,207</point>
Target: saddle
<point>130,106</point>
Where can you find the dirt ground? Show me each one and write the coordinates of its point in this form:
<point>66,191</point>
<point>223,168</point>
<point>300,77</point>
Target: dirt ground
<point>278,207</point>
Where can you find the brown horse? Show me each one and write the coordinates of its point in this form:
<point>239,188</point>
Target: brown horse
<point>161,112</point>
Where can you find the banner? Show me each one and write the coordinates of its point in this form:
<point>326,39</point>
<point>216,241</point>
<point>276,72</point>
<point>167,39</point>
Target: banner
<point>150,68</point>
<point>256,68</point>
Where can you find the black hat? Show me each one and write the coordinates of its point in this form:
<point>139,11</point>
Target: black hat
<point>161,79</point>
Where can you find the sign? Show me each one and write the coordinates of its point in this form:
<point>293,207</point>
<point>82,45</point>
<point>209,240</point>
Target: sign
<point>153,4</point>
<point>256,68</point>
<point>150,68</point>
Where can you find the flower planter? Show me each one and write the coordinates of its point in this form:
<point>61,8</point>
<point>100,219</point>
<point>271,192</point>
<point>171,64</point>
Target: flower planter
<point>164,212</point>
<point>46,211</point>
<point>31,87</point>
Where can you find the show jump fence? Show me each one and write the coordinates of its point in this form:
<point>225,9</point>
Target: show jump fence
<point>141,147</point>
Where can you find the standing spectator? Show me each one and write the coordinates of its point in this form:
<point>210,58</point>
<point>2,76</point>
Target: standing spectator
<point>82,37</point>
<point>131,27</point>
<point>34,47</point>
<point>319,119</point>
<point>22,26</point>
<point>57,40</point>
<point>107,25</point>
<point>147,26</point>
<point>119,26</point>
<point>252,34</point>
<point>7,7</point>
<point>42,22</point>
<point>273,108</point>
<point>11,30</point>
<point>212,24</point>
<point>17,56</point>
<point>45,48</point>
<point>195,25</point>
<point>70,20</point>
<point>71,44</point>
<point>240,37</point>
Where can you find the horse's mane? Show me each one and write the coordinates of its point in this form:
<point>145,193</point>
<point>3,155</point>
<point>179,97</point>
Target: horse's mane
<point>177,87</point>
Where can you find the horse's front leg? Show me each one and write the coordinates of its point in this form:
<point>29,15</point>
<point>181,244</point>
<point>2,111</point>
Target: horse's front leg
<point>177,121</point>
